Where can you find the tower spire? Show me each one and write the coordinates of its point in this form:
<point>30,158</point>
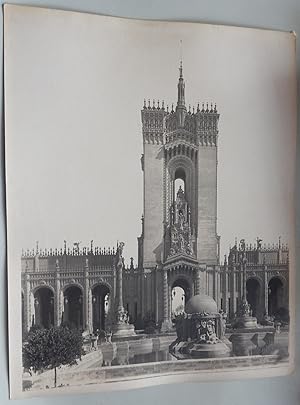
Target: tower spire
<point>180,108</point>
<point>181,88</point>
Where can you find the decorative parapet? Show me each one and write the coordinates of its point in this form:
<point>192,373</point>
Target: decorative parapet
<point>153,120</point>
<point>259,253</point>
<point>163,127</point>
<point>75,251</point>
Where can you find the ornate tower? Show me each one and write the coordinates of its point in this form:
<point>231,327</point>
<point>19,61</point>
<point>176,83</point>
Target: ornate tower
<point>179,235</point>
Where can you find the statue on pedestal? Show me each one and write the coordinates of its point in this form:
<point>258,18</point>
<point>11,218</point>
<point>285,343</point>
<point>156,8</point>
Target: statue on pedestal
<point>122,327</point>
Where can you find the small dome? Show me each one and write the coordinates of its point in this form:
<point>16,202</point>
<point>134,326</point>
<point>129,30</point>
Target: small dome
<point>201,303</point>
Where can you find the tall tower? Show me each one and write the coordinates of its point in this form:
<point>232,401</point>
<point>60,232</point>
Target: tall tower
<point>179,238</point>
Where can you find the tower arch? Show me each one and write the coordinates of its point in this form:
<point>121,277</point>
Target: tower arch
<point>181,167</point>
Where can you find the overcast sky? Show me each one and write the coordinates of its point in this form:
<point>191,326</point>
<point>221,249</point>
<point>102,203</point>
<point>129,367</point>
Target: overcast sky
<point>75,85</point>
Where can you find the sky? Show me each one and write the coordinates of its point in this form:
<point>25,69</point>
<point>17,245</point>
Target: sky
<point>74,88</point>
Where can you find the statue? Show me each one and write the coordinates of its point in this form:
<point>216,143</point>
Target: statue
<point>181,220</point>
<point>223,321</point>
<point>258,241</point>
<point>120,248</point>
<point>76,246</point>
<point>181,243</point>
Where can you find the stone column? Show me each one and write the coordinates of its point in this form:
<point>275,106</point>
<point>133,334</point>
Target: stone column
<point>156,295</point>
<point>233,292</point>
<point>86,296</point>
<point>218,287</point>
<point>165,296</point>
<point>169,302</point>
<point>198,282</point>
<point>166,324</point>
<point>215,285</point>
<point>57,312</point>
<point>27,304</point>
<point>90,311</point>
<point>225,289</point>
<point>140,292</point>
<point>203,281</point>
<point>122,328</point>
<point>62,305</point>
<point>266,292</point>
<point>119,286</point>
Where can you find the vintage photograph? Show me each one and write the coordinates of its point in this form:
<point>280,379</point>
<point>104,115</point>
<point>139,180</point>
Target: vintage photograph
<point>150,201</point>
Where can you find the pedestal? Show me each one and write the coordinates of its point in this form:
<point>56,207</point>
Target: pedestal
<point>246,322</point>
<point>121,330</point>
<point>166,326</point>
<point>185,350</point>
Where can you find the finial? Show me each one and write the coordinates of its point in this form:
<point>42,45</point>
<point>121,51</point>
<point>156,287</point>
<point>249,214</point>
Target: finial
<point>207,110</point>
<point>215,109</point>
<point>211,107</point>
<point>149,104</point>
<point>163,105</point>
<point>180,57</point>
<point>37,247</point>
<point>167,108</point>
<point>153,104</point>
<point>279,242</point>
<point>131,263</point>
<point>189,108</point>
<point>180,70</point>
<point>158,104</point>
<point>65,246</point>
<point>144,103</point>
<point>198,107</point>
<point>193,110</point>
<point>172,108</point>
<point>202,107</point>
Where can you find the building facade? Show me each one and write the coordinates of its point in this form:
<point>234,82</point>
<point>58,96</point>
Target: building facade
<point>178,247</point>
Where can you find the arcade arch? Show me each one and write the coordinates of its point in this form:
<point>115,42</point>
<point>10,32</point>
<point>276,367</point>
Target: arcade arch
<point>44,307</point>
<point>100,305</point>
<point>275,295</point>
<point>73,307</point>
<point>253,295</point>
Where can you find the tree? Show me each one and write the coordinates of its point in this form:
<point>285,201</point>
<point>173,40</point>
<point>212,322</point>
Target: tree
<point>47,349</point>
